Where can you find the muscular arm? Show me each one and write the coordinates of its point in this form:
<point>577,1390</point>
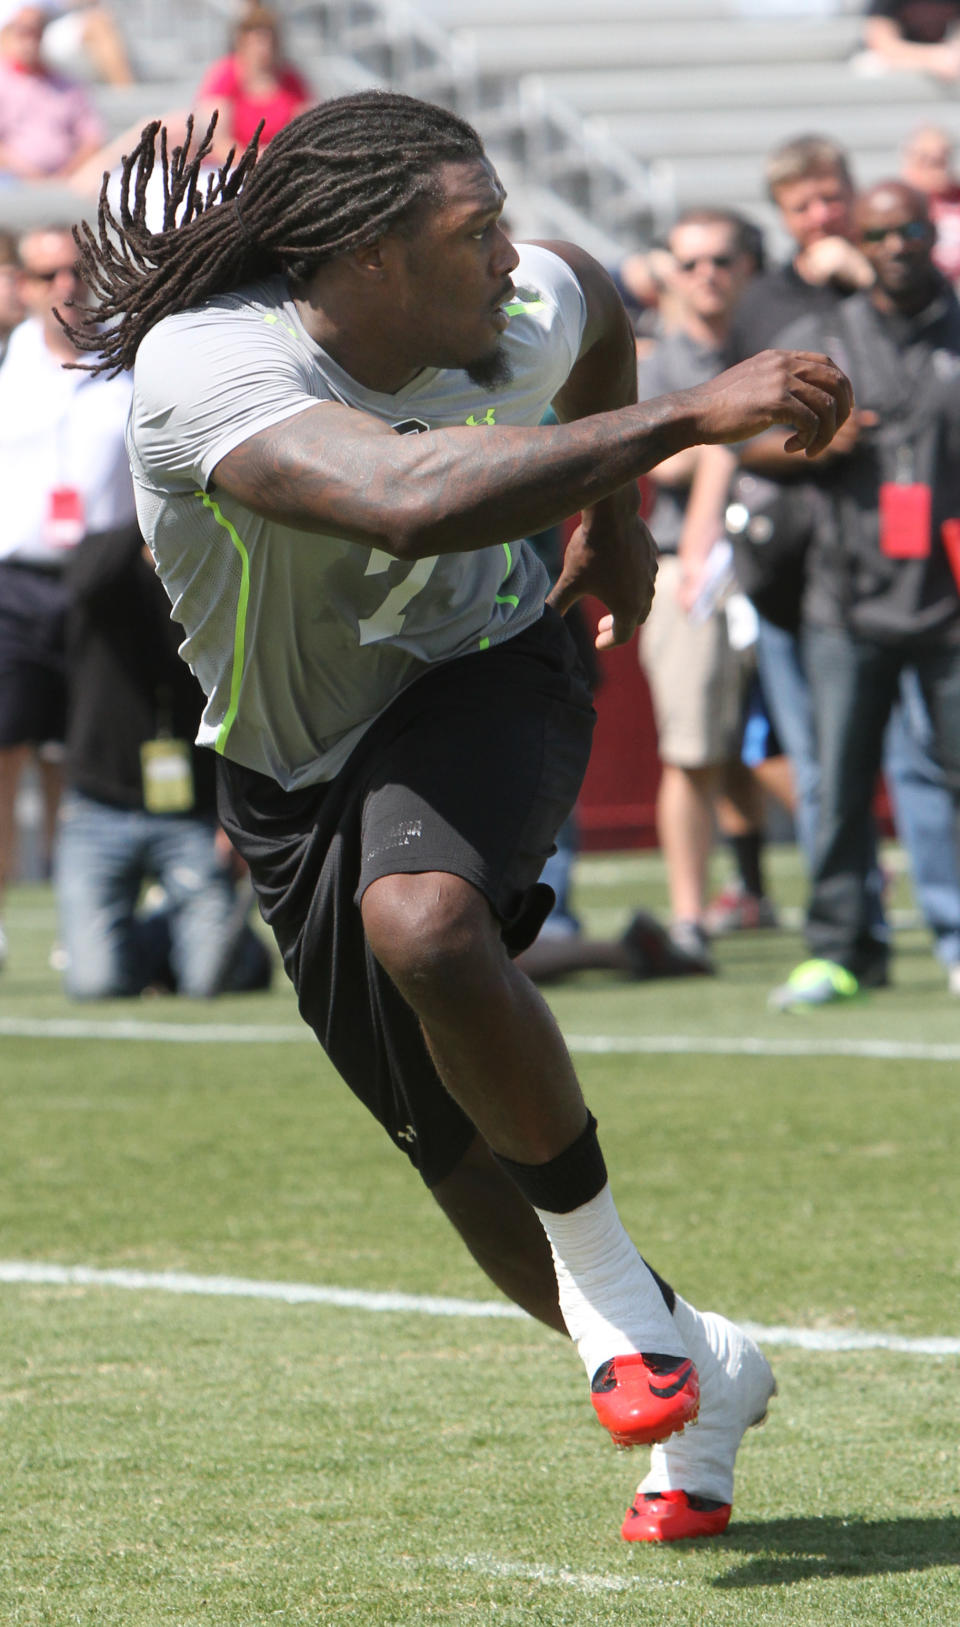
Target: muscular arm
<point>704,516</point>
<point>766,456</point>
<point>335,470</point>
<point>677,472</point>
<point>885,36</point>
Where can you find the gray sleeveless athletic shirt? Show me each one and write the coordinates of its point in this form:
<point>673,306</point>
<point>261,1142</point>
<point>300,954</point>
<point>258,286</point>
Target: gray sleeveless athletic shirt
<point>301,640</point>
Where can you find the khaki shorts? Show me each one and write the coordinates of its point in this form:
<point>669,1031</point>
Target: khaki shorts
<point>698,684</point>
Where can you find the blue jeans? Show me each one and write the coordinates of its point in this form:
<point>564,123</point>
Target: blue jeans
<point>787,694</point>
<point>922,806</point>
<point>855,685</point>
<point>104,856</point>
<point>558,874</point>
<point>923,814</point>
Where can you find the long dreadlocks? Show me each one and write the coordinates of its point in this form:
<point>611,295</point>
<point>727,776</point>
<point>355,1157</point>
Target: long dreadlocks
<point>334,179</point>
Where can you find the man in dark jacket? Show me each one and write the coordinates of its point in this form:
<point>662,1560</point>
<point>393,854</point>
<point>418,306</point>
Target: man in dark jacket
<point>141,800</point>
<point>883,579</point>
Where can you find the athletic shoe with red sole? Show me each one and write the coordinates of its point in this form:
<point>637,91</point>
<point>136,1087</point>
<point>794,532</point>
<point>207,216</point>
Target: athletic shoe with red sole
<point>688,1491</point>
<point>642,1399</point>
<point>673,1516</point>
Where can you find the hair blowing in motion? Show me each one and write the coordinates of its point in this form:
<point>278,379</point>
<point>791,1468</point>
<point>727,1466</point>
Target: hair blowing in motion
<point>334,179</point>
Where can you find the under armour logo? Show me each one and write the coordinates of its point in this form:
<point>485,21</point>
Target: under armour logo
<point>489,417</point>
<point>408,1134</point>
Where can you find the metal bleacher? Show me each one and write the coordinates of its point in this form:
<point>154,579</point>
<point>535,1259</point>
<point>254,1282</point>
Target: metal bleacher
<point>564,179</point>
<point>604,116</point>
<point>699,90</point>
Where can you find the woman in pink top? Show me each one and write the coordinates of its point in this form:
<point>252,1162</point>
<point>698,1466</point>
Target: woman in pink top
<point>251,84</point>
<point>48,127</point>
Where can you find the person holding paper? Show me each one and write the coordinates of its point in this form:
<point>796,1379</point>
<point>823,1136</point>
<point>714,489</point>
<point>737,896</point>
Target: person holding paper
<point>698,680</point>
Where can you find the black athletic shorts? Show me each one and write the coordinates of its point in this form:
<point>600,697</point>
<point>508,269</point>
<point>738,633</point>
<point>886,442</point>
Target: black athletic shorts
<point>471,771</point>
<point>33,688</point>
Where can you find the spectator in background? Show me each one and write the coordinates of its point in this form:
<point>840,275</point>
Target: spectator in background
<point>883,578</point>
<point>252,83</point>
<point>927,164</point>
<point>84,41</point>
<point>698,681</point>
<point>644,950</point>
<point>912,36</point>
<point>63,471</point>
<point>645,283</point>
<point>140,804</point>
<point>48,127</point>
<point>810,182</point>
<point>11,305</point>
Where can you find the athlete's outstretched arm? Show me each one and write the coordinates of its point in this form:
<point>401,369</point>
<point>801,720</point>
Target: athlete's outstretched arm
<point>336,470</point>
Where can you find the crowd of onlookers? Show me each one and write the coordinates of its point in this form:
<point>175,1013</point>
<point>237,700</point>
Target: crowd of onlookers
<point>50,51</point>
<point>806,628</point>
<point>92,689</point>
<point>53,51</point>
<point>93,694</point>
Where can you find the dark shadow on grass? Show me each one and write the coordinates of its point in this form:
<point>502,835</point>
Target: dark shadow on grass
<point>783,1551</point>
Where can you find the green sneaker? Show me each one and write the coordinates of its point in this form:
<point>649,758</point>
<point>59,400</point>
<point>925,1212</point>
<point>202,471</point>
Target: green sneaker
<point>814,983</point>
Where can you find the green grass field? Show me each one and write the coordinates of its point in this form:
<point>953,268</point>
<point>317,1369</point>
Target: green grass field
<point>197,1458</point>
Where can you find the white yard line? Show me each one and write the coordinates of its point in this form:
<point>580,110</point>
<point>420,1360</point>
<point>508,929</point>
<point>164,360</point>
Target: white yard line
<point>134,1030</point>
<point>41,1274</point>
<point>552,1575</point>
<point>751,1045</point>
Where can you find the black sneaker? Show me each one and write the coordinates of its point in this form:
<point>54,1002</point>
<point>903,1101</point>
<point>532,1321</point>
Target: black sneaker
<point>690,943</point>
<point>655,954</point>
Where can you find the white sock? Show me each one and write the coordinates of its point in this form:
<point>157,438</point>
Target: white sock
<point>608,1296</point>
<point>710,1339</point>
<point>736,1385</point>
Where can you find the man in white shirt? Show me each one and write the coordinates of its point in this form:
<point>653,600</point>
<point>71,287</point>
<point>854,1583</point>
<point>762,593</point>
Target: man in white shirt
<point>63,472</point>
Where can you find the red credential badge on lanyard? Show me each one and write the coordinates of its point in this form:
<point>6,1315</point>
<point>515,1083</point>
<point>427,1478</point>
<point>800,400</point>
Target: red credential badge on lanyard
<point>66,521</point>
<point>950,533</point>
<point>905,517</point>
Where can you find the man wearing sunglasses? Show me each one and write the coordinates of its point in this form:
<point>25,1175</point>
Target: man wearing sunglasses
<point>883,574</point>
<point>63,472</point>
<point>697,680</point>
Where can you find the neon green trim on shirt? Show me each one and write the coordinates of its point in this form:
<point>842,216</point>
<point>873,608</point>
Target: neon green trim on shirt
<point>272,319</point>
<point>240,626</point>
<point>508,598</point>
<point>517,305</point>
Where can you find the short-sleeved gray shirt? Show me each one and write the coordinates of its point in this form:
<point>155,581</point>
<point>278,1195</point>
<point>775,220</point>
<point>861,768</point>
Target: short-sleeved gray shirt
<point>300,640</point>
<point>676,362</point>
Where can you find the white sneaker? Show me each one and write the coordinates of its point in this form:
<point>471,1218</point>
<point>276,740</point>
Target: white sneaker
<point>736,1385</point>
<point>953,977</point>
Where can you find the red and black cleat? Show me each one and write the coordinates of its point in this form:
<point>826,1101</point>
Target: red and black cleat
<point>673,1516</point>
<point>641,1399</point>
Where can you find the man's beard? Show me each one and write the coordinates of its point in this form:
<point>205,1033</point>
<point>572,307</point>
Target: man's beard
<point>491,372</point>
